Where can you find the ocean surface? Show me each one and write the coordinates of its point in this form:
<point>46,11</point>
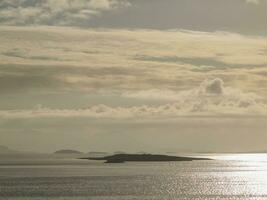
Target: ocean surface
<point>55,178</point>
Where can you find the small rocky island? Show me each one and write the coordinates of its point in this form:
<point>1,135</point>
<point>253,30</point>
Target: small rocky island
<point>121,158</point>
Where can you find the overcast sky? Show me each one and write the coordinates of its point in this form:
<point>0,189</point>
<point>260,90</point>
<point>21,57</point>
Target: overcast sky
<point>133,75</point>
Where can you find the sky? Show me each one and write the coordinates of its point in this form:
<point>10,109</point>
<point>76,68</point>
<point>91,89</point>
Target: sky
<point>133,75</point>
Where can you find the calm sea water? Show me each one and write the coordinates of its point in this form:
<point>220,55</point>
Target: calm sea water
<point>48,178</point>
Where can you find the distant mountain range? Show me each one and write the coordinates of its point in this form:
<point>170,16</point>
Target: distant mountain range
<point>67,151</point>
<point>5,150</point>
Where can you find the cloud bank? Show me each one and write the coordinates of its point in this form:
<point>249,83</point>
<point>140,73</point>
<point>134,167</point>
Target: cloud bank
<point>211,98</point>
<point>171,73</point>
<point>255,2</point>
<point>70,59</point>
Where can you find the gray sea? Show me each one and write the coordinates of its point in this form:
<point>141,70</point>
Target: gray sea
<point>56,178</point>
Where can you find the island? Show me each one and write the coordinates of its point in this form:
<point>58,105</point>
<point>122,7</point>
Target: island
<point>121,158</point>
<point>6,150</point>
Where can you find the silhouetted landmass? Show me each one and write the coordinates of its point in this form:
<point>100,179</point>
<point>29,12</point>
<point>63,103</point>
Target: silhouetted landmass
<point>67,151</point>
<point>121,158</point>
<point>6,150</point>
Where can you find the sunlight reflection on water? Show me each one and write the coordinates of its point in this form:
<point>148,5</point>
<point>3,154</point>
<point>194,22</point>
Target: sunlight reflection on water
<point>244,179</point>
<point>262,157</point>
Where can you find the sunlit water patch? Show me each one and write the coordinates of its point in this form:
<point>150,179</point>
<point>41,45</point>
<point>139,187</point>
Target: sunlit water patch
<point>82,180</point>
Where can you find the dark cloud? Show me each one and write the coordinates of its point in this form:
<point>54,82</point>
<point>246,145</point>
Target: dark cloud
<point>196,61</point>
<point>53,70</point>
<point>211,62</point>
<point>15,78</point>
<point>25,83</point>
<point>17,54</point>
<point>215,86</point>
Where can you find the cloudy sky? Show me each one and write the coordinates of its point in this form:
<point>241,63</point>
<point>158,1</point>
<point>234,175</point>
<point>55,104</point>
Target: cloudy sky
<point>133,75</point>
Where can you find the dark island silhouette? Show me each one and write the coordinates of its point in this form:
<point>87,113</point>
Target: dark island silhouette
<point>6,150</point>
<point>121,158</point>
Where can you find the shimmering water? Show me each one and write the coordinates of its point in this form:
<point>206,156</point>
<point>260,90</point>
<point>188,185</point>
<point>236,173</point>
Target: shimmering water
<point>70,179</point>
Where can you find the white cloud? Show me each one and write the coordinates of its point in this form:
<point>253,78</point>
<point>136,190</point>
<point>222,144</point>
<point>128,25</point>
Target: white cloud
<point>211,98</point>
<point>50,12</point>
<point>213,89</point>
<point>253,1</point>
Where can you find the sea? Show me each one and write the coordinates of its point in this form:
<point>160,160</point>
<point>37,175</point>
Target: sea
<point>50,177</point>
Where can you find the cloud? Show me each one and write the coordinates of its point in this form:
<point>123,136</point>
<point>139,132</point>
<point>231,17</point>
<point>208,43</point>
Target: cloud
<point>253,1</point>
<point>210,89</point>
<point>10,83</point>
<point>207,63</point>
<point>144,14</point>
<point>50,12</point>
<point>211,98</point>
<point>215,87</point>
<point>96,60</point>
